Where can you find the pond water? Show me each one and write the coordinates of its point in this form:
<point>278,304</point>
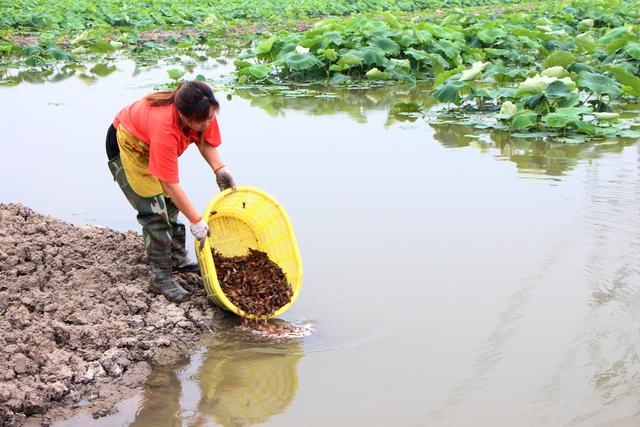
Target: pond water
<point>452,277</point>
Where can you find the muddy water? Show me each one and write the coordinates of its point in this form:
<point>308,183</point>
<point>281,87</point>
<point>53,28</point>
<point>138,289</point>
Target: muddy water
<point>452,277</point>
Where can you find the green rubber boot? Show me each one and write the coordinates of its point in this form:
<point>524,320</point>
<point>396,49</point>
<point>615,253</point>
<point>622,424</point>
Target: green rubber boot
<point>180,260</point>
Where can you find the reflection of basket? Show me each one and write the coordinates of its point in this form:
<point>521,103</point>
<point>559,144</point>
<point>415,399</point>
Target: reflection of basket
<point>248,218</point>
<point>243,385</point>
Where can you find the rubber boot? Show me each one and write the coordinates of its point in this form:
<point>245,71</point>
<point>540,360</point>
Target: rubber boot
<point>158,242</point>
<point>161,282</point>
<point>180,260</point>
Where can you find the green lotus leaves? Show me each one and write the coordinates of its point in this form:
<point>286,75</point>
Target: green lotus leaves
<point>388,46</point>
<point>508,109</point>
<point>599,84</point>
<point>557,71</point>
<point>607,116</point>
<point>538,84</point>
<point>633,50</point>
<point>450,49</point>
<point>630,83</point>
<point>175,73</point>
<point>524,120</point>
<point>300,61</point>
<point>490,35</point>
<point>564,117</point>
<point>450,92</point>
<point>586,42</point>
<point>559,58</point>
<point>473,72</point>
<point>372,55</point>
<point>616,38</point>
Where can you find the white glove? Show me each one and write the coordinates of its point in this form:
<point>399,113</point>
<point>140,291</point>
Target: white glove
<point>200,231</point>
<point>224,179</point>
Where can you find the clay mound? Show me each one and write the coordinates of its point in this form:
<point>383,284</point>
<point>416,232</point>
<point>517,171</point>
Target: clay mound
<point>77,326</point>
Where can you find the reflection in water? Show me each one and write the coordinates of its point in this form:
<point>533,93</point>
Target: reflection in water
<point>606,348</point>
<point>402,103</point>
<point>240,380</point>
<point>354,102</point>
<point>530,155</point>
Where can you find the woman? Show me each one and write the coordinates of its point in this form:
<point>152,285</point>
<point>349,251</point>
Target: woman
<point>143,145</point>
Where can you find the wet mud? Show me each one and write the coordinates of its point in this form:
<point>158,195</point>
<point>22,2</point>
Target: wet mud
<point>79,330</point>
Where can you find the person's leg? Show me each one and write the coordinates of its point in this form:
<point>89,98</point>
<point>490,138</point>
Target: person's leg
<point>180,260</point>
<point>157,233</point>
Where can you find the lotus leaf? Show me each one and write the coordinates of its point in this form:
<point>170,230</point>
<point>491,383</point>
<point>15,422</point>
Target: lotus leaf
<point>606,116</point>
<point>387,45</point>
<point>403,63</point>
<point>508,109</point>
<point>559,58</point>
<point>301,61</point>
<point>175,73</point>
<point>524,120</point>
<point>633,50</point>
<point>473,72</point>
<point>372,55</point>
<point>598,84</point>
<point>630,83</point>
<point>586,42</point>
<point>557,71</point>
<point>490,35</point>
<point>616,38</point>
<point>450,91</point>
<point>538,84</point>
<point>450,49</point>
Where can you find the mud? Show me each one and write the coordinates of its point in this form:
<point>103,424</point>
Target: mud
<point>79,331</point>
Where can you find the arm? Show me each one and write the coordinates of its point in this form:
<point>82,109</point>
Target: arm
<point>211,155</point>
<point>180,199</point>
<point>223,176</point>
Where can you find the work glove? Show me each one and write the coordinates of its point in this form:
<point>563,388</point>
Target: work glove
<point>224,179</point>
<point>200,231</point>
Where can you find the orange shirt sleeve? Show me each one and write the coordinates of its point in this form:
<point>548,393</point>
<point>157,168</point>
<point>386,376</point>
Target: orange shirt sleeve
<point>212,134</point>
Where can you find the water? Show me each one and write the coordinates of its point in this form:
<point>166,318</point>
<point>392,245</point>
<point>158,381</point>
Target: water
<point>452,277</point>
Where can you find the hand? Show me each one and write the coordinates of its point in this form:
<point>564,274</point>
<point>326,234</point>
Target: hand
<point>224,179</point>
<point>200,231</point>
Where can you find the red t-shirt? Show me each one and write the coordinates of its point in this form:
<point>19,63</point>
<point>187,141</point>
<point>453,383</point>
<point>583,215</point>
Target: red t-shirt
<point>160,128</point>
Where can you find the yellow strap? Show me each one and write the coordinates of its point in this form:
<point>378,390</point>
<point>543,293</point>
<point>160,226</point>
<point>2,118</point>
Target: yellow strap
<point>134,155</point>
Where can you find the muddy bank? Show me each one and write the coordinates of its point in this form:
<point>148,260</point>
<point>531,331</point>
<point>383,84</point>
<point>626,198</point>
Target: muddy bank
<point>79,330</point>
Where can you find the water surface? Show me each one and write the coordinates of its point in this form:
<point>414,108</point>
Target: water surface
<point>452,277</point>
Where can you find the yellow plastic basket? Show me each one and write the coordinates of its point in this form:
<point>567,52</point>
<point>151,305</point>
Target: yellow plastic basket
<point>248,218</point>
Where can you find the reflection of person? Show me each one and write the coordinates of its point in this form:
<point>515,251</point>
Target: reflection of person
<point>143,145</point>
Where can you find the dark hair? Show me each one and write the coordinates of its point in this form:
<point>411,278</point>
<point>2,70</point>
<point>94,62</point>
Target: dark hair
<point>193,99</point>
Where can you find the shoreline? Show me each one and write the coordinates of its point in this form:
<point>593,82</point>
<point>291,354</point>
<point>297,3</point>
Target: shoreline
<point>79,329</point>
